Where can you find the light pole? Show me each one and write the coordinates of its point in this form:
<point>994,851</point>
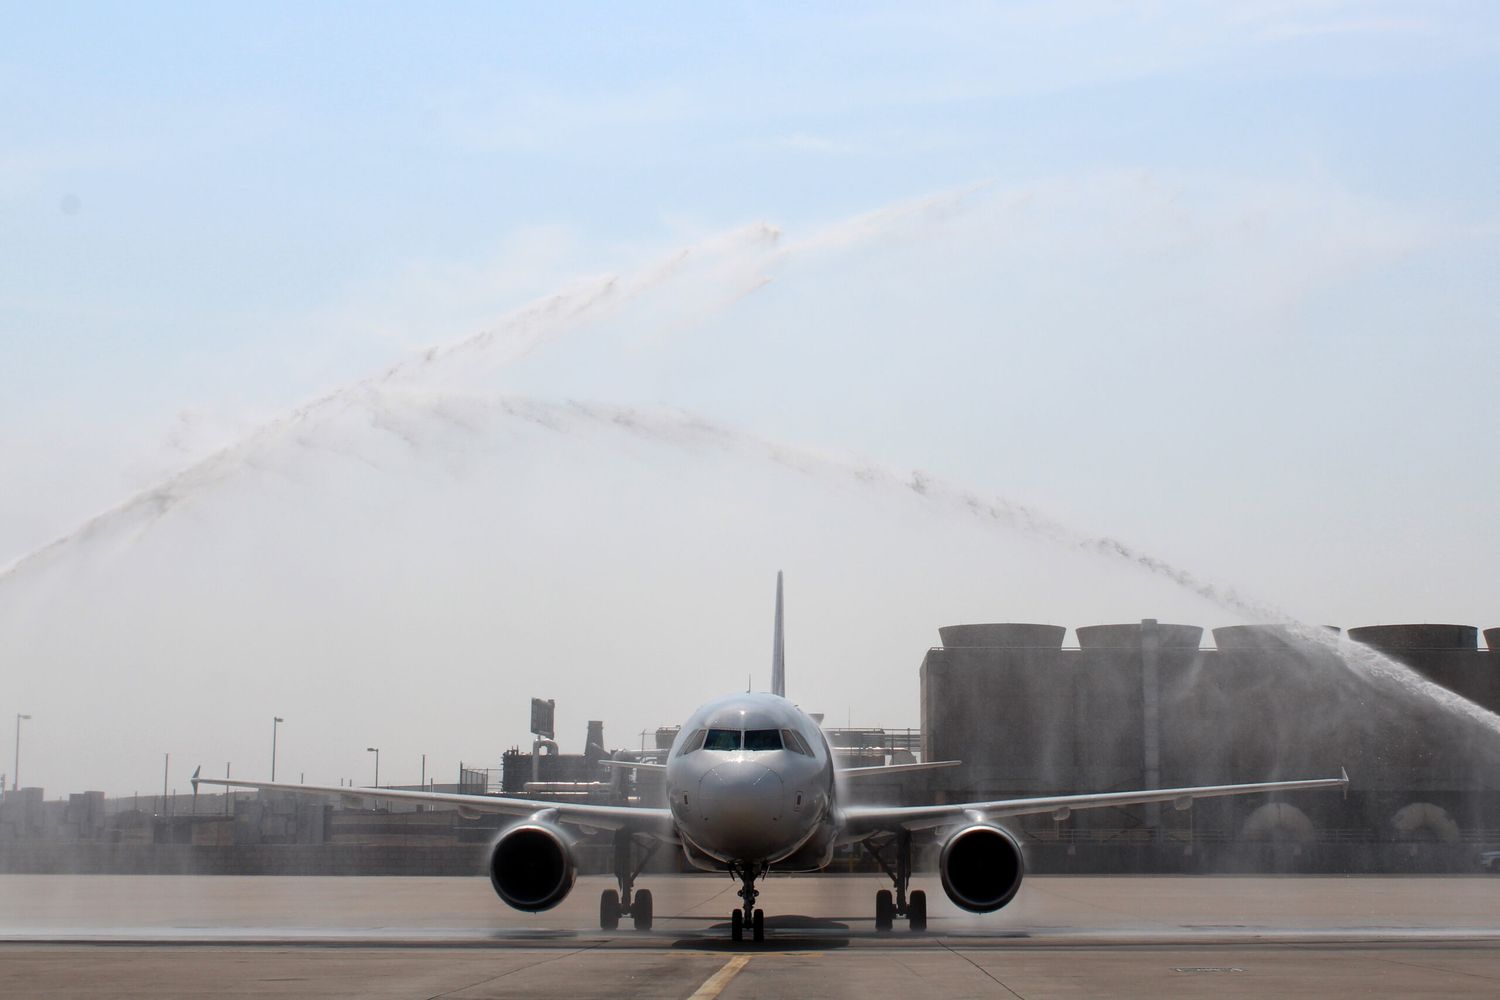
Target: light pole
<point>15,771</point>
<point>376,752</point>
<point>276,720</point>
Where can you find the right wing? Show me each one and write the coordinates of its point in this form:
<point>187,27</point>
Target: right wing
<point>636,819</point>
<point>637,765</point>
<point>863,821</point>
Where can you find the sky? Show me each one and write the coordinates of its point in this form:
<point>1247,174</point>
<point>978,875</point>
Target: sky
<point>382,367</point>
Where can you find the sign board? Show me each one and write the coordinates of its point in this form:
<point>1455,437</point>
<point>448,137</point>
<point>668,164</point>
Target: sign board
<point>541,717</point>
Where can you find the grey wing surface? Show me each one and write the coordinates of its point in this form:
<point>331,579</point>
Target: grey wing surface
<point>862,821</point>
<point>636,819</point>
<point>881,770</point>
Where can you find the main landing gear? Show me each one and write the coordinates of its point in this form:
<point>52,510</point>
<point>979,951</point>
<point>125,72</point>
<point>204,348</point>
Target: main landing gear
<point>614,904</point>
<point>887,908</point>
<point>748,917</point>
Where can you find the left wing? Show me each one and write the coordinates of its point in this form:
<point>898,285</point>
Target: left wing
<point>875,770</point>
<point>862,821</point>
<point>636,819</point>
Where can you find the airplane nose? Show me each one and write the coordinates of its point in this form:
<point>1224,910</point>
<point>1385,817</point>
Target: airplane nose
<point>740,802</point>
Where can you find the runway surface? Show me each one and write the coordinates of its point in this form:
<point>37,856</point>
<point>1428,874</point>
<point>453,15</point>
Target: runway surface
<point>107,936</point>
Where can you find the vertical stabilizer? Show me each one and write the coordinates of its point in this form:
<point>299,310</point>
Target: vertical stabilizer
<point>778,649</point>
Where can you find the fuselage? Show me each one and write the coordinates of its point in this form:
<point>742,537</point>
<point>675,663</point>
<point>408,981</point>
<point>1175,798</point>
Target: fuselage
<point>750,781</point>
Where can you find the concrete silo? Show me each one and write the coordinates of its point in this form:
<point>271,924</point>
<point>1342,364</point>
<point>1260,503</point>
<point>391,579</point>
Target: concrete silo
<point>1124,738</point>
<point>1435,764</point>
<point>1285,692</point>
<point>1444,654</point>
<point>994,697</point>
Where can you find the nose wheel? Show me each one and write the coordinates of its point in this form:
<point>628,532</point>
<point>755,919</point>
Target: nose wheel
<point>748,917</point>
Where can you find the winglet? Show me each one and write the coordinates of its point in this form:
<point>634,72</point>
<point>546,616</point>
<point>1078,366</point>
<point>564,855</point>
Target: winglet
<point>196,771</point>
<point>1344,773</point>
<point>778,648</point>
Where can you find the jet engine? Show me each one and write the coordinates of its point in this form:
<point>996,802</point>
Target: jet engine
<point>531,866</point>
<point>981,867</point>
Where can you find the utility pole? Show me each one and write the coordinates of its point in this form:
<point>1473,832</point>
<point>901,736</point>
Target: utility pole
<point>166,766</point>
<point>15,771</point>
<point>276,720</point>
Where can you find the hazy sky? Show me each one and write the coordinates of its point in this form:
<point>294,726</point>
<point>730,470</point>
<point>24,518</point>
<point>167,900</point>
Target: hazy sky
<point>1217,279</point>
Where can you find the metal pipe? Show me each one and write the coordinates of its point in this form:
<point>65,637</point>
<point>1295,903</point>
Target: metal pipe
<point>275,721</point>
<point>15,771</point>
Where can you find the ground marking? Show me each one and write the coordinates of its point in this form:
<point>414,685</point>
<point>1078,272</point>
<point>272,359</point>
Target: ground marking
<point>715,983</point>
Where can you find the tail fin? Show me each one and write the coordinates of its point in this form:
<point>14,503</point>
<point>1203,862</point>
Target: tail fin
<point>778,649</point>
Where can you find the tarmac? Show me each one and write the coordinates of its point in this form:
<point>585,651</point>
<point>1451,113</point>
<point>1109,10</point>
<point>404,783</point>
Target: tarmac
<point>185,936</point>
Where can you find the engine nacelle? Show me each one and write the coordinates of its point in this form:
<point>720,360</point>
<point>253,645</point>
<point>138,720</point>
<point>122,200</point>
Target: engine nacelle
<point>531,867</point>
<point>981,867</point>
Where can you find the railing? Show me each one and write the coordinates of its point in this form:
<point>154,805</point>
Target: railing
<point>478,780</point>
<point>1144,835</point>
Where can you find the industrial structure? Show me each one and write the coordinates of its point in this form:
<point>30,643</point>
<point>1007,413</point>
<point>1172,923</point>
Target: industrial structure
<point>1143,705</point>
<point>1133,705</point>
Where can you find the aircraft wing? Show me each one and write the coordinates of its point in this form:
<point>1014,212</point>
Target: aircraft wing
<point>636,765</point>
<point>862,821</point>
<point>876,770</point>
<point>637,819</point>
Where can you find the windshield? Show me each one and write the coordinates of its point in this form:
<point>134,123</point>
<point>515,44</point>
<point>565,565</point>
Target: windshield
<point>795,743</point>
<point>722,739</point>
<point>763,739</point>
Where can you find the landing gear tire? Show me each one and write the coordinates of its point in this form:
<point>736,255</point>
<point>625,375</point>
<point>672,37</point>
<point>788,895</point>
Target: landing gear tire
<point>609,909</point>
<point>737,926</point>
<point>916,910</point>
<point>641,910</point>
<point>885,910</point>
<point>758,926</point>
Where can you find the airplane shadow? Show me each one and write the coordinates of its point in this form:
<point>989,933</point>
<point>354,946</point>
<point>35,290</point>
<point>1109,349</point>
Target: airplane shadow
<point>530,934</point>
<point>784,932</point>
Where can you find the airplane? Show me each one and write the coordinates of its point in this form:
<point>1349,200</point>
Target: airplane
<point>752,787</point>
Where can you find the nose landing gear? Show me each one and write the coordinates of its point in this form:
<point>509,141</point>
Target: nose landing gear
<point>748,917</point>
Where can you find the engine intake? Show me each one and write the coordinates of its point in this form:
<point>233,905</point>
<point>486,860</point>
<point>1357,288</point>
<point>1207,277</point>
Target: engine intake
<point>981,867</point>
<point>531,867</point>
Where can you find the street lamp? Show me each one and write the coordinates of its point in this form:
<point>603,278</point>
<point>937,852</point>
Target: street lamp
<point>376,752</point>
<point>15,771</point>
<point>276,720</point>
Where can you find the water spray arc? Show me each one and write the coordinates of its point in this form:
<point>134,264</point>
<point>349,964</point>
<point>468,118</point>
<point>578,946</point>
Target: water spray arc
<point>396,404</point>
<point>405,413</point>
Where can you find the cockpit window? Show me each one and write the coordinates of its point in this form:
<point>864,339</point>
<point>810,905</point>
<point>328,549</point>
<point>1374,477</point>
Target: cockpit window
<point>795,743</point>
<point>722,739</point>
<point>693,742</point>
<point>762,739</point>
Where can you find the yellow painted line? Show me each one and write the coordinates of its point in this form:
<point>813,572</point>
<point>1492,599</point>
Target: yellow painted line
<point>715,983</point>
